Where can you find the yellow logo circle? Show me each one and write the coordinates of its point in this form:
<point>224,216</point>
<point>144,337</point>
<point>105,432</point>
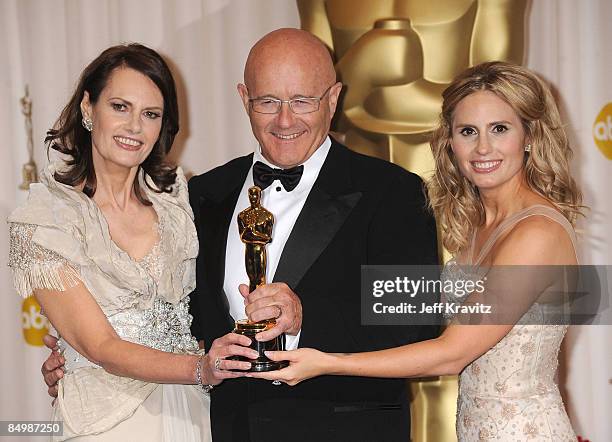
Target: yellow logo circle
<point>34,325</point>
<point>602,131</point>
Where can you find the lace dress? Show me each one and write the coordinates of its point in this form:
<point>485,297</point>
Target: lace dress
<point>510,392</point>
<point>59,238</point>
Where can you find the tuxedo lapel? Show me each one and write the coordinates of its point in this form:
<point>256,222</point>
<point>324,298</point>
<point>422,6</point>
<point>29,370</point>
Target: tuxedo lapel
<point>329,203</point>
<point>217,203</point>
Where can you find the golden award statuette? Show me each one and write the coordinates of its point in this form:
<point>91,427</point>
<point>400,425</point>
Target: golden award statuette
<point>255,227</point>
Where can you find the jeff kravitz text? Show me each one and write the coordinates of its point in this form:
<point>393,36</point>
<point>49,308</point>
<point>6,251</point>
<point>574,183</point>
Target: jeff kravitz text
<point>445,308</point>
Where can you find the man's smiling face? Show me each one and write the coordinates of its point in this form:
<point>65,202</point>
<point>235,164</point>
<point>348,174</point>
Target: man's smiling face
<point>286,65</point>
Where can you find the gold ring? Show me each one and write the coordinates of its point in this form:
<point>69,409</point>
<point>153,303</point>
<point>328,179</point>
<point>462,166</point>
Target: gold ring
<point>217,363</point>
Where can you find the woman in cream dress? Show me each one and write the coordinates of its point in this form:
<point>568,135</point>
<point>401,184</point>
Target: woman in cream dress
<point>107,244</point>
<point>504,196</point>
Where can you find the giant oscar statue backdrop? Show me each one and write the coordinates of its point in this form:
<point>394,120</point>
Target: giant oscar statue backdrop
<point>395,58</point>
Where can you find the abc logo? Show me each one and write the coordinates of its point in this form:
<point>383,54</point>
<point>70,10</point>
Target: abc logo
<point>34,325</point>
<point>602,131</point>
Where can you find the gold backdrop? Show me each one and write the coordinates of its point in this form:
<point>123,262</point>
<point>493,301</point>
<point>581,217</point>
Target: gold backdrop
<point>395,58</point>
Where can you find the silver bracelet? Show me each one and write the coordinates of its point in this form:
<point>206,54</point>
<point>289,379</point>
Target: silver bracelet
<point>198,374</point>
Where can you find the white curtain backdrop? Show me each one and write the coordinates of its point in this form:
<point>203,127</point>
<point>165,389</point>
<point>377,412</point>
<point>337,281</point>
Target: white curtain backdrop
<point>46,44</point>
<point>569,45</point>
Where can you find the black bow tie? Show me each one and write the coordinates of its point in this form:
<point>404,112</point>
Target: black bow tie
<point>264,175</point>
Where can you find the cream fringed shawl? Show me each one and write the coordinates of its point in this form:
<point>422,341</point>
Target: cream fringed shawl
<point>58,238</point>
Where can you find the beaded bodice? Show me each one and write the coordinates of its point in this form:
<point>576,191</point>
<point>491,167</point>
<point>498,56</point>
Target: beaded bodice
<point>164,326</point>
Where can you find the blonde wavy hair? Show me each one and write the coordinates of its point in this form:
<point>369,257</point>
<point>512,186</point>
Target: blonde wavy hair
<point>453,198</point>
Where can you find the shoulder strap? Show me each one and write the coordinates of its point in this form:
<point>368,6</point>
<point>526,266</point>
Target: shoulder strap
<point>514,219</point>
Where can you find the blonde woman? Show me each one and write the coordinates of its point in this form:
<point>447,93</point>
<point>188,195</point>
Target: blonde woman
<point>503,194</point>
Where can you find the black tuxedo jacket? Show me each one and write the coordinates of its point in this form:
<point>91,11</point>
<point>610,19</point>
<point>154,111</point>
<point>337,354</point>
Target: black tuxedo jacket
<point>361,210</point>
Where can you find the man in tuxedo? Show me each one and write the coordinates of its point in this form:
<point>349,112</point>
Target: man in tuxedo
<point>335,210</point>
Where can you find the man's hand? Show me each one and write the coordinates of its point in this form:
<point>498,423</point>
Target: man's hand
<point>273,301</point>
<point>53,368</point>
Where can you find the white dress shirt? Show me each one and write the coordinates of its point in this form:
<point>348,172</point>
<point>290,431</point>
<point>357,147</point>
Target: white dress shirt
<point>285,206</point>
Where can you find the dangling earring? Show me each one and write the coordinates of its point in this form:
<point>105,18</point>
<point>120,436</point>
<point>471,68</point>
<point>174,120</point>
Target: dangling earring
<point>87,124</point>
<point>528,148</point>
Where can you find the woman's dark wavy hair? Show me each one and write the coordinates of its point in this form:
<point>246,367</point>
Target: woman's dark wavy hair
<point>69,137</point>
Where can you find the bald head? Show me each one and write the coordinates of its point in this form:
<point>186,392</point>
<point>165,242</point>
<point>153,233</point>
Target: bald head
<point>290,66</point>
<point>293,49</point>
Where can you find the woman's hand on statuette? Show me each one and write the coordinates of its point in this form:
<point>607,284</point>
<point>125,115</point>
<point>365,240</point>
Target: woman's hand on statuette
<point>218,367</point>
<point>304,363</point>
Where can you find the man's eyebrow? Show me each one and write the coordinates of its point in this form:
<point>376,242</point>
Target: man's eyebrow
<point>276,98</point>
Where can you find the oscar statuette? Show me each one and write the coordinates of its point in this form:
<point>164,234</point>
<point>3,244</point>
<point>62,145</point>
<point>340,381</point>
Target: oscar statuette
<point>28,171</point>
<point>255,228</point>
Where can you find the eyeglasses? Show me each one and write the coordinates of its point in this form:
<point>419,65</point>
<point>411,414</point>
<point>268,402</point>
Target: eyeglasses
<point>300,105</point>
